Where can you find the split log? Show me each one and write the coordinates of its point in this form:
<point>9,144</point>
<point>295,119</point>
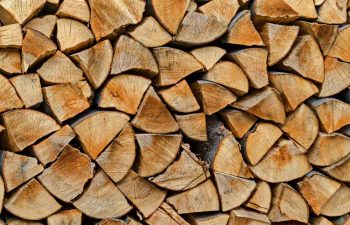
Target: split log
<point>212,97</point>
<point>180,98</point>
<point>221,10</point>
<point>279,40</point>
<point>332,12</point>
<point>96,62</point>
<point>265,104</point>
<point>192,6</point>
<point>339,170</point>
<point>306,9</point>
<point>318,2</point>
<point>124,92</point>
<point>260,200</point>
<point>339,204</point>
<point>253,62</point>
<point>10,61</point>
<point>153,116</point>
<point>105,123</point>
<point>109,17</point>
<point>184,173</point>
<point>302,126</point>
<point>238,29</point>
<point>24,127</point>
<point>274,11</point>
<point>233,191</point>
<point>117,159</point>
<point>31,202</point>
<point>67,217</point>
<point>156,152</point>
<point>44,25</point>
<point>174,65</point>
<point>76,9</point>
<point>28,88</point>
<point>145,196</point>
<point>48,150</point>
<point>11,35</point>
<point>150,33</point>
<point>9,98</point>
<point>306,59</point>
<point>165,215</point>
<point>17,221</point>
<point>102,199</point>
<point>193,126</point>
<point>279,164</point>
<point>340,47</point>
<point>208,55</point>
<point>65,178</point>
<point>60,69</point>
<point>199,29</point>
<point>217,219</point>
<point>242,216</point>
<point>112,222</point>
<point>202,198</point>
<point>320,221</point>
<point>258,142</point>
<point>131,56</point>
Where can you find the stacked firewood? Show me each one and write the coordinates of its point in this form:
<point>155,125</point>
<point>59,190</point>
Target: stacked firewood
<point>175,112</point>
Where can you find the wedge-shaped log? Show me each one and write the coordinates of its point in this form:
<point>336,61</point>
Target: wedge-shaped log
<point>208,55</point>
<point>221,10</point>
<point>306,9</point>
<point>76,9</point>
<point>339,170</point>
<point>243,216</point>
<point>274,11</point>
<point>165,214</point>
<point>340,47</point>
<point>17,221</point>
<point>28,88</point>
<point>44,25</point>
<point>10,35</point>
<point>332,12</point>
<point>66,217</point>
<point>10,61</point>
<point>9,98</point>
<point>260,200</point>
<point>207,219</point>
<point>193,126</point>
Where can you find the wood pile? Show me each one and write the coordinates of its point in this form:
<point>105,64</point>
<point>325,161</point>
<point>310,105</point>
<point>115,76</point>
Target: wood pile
<point>175,112</point>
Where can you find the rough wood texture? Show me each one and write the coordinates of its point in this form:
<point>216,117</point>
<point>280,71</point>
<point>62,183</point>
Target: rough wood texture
<point>340,47</point>
<point>28,88</point>
<point>260,200</point>
<point>44,25</point>
<point>76,9</point>
<point>11,36</point>
<point>193,126</point>
<point>208,55</point>
<point>243,216</point>
<point>222,10</point>
<point>10,61</point>
<point>9,98</point>
<point>66,217</point>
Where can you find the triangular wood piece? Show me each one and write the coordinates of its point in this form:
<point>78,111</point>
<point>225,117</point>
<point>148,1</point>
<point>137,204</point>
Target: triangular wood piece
<point>199,29</point>
<point>207,219</point>
<point>238,29</point>
<point>243,216</point>
<point>10,61</point>
<point>108,22</point>
<point>279,165</point>
<point>165,215</point>
<point>96,62</point>
<point>339,170</point>
<point>130,55</point>
<point>333,12</point>
<point>44,25</point>
<point>193,126</point>
<point>8,96</point>
<point>76,9</point>
<point>17,221</point>
<point>260,200</point>
<point>306,59</point>
<point>202,198</point>
<point>279,40</point>
<point>274,11</point>
<point>306,8</point>
<point>17,169</point>
<point>153,116</point>
<point>208,55</point>
<point>341,47</point>
<point>222,10</point>
<point>66,217</point>
<point>103,193</point>
<point>11,36</point>
<point>339,204</point>
<point>174,65</point>
<point>265,104</point>
<point>28,88</point>
<point>238,122</point>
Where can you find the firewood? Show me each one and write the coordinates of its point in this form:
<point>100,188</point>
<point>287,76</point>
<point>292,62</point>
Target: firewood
<point>153,116</point>
<point>332,12</point>
<point>130,55</point>
<point>48,150</point>
<point>17,221</point>
<point>306,59</point>
<point>238,29</point>
<point>31,202</point>
<point>339,170</point>
<point>105,123</point>
<point>340,47</point>
<point>111,222</point>
<point>320,221</point>
<point>339,203</point>
<point>28,88</point>
<point>60,69</point>
<point>156,153</point>
<point>19,11</point>
<point>238,122</point>
<point>228,75</point>
<point>75,9</point>
<point>243,216</point>
<point>258,142</point>
<point>331,106</point>
<point>11,35</point>
<point>124,92</point>
<point>10,61</point>
<point>174,65</point>
<point>199,29</point>
<point>319,2</point>
<point>192,6</point>
<point>44,25</point>
<point>180,98</point>
<point>109,17</point>
<point>9,99</point>
<point>279,164</point>
<point>150,33</point>
<point>145,196</point>
<point>202,198</point>
<point>279,40</point>
<point>260,200</point>
<point>66,177</point>
<point>306,9</point>
<point>265,104</point>
<point>212,96</point>
<point>102,199</point>
<point>274,11</point>
<point>117,159</point>
<point>66,217</point>
<point>293,88</point>
<point>193,126</point>
<point>184,173</point>
<point>73,36</point>
<point>24,127</point>
<point>216,218</point>
<point>221,10</point>
<point>208,55</point>
<point>253,62</point>
<point>233,191</point>
<point>169,13</point>
<point>95,62</point>
<point>165,215</point>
